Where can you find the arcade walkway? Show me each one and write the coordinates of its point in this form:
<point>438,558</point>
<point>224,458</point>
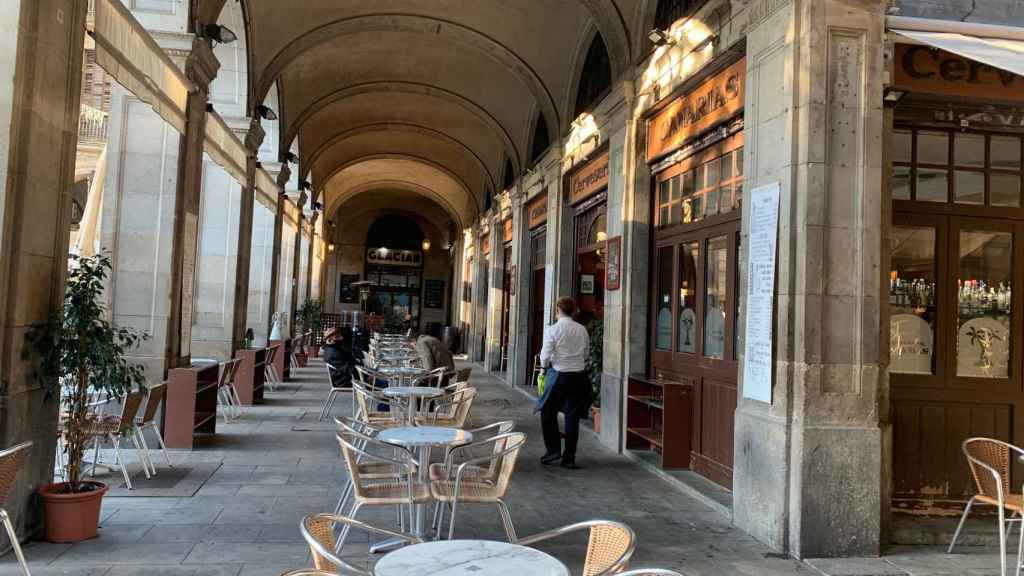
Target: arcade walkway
<point>232,507</point>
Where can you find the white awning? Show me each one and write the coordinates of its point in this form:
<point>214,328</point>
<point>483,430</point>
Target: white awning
<point>224,147</point>
<point>128,53</point>
<point>1003,53</point>
<point>266,190</point>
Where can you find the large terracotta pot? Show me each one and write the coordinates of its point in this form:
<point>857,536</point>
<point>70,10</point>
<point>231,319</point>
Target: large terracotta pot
<point>595,413</point>
<point>71,517</point>
<point>302,359</point>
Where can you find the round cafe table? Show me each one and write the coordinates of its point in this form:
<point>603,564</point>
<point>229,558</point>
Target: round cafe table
<point>401,373</point>
<point>469,558</point>
<point>413,395</point>
<point>422,439</point>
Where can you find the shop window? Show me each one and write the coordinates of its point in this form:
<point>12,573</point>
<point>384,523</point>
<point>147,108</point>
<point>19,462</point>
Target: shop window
<point>689,255</point>
<point>663,319</point>
<point>966,168</point>
<point>984,304</point>
<point>710,188</point>
<point>716,267</point>
<point>912,298</point>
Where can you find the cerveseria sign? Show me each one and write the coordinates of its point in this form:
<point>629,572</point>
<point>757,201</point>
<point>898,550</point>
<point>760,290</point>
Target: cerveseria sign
<point>537,210</point>
<point>932,71</point>
<point>590,178</point>
<point>716,100</point>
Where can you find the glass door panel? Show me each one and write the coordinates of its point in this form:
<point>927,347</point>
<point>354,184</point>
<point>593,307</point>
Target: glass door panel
<point>689,256</point>
<point>912,300</point>
<point>663,317</point>
<point>716,278</point>
<point>984,286</point>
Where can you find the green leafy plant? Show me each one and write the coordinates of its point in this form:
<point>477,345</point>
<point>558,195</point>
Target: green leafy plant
<point>310,317</point>
<point>77,350</point>
<point>392,322</point>
<point>595,360</point>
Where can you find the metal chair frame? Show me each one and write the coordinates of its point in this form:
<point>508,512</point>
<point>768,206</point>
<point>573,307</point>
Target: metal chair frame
<point>981,471</point>
<point>501,461</point>
<point>126,428</point>
<point>11,461</point>
<point>328,404</point>
<point>156,396</point>
<point>227,396</point>
<point>327,555</point>
<point>650,572</point>
<point>270,376</point>
<point>588,569</point>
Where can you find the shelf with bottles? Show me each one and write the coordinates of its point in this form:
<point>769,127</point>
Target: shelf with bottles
<point>918,293</point>
<point>976,298</point>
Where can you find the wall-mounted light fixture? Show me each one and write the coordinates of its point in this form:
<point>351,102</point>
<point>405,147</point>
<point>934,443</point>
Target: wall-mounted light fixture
<point>291,157</point>
<point>265,112</point>
<point>892,96</point>
<point>305,185</point>
<point>219,34</point>
<point>426,244</point>
<point>330,247</point>
<point>660,38</point>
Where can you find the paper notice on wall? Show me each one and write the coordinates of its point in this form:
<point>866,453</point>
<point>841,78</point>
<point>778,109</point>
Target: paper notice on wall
<point>188,280</point>
<point>762,241</point>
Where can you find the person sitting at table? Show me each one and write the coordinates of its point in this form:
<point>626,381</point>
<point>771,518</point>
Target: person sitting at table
<point>337,354</point>
<point>432,352</point>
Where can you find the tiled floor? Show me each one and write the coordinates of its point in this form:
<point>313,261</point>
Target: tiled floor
<point>236,510</point>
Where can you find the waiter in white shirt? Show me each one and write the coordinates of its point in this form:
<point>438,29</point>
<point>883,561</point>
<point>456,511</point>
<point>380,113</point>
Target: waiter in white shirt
<point>566,385</point>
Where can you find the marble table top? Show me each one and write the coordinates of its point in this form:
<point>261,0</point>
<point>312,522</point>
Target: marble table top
<point>469,558</point>
<point>401,371</point>
<point>412,391</point>
<point>425,436</point>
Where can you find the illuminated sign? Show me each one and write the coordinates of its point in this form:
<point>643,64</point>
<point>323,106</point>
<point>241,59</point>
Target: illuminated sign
<point>386,257</point>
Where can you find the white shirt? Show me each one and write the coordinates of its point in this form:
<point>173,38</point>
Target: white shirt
<point>566,344</point>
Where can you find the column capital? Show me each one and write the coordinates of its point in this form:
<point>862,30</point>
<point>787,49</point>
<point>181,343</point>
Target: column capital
<point>254,137</point>
<point>201,66</point>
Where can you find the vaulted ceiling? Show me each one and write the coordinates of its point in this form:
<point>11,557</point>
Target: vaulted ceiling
<point>430,96</point>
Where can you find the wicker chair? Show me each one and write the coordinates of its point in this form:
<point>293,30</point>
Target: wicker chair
<point>227,396</point>
<point>487,485</point>
<point>989,461</point>
<point>11,461</point>
<point>318,531</point>
<point>649,572</point>
<point>336,389</point>
<point>401,490</point>
<point>481,434</point>
<point>117,428</point>
<point>307,572</point>
<point>368,410</point>
<point>450,411</point>
<point>367,470</point>
<point>147,421</point>
<point>609,548</point>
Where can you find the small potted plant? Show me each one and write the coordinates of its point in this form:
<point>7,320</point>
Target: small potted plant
<point>81,350</point>
<point>595,365</point>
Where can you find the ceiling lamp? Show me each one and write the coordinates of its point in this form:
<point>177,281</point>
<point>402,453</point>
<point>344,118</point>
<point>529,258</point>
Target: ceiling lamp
<point>426,244</point>
<point>219,34</point>
<point>660,37</point>
<point>265,112</point>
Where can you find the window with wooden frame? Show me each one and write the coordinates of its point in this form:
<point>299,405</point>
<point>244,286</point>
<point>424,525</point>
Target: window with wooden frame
<point>706,185</point>
<point>956,167</point>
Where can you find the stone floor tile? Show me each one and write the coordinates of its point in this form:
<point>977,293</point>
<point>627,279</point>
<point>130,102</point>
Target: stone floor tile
<point>856,567</point>
<point>98,552</point>
<point>248,553</point>
<point>177,570</point>
<point>219,533</point>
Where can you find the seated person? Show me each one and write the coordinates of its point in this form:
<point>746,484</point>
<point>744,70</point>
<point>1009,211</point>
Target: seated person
<point>337,354</point>
<point>433,353</point>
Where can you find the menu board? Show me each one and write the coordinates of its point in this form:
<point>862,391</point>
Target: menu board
<point>760,297</point>
<point>433,293</point>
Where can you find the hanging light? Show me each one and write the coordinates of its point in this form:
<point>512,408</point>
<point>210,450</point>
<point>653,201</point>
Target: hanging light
<point>426,244</point>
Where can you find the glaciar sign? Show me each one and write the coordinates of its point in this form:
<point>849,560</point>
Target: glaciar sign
<point>386,257</point>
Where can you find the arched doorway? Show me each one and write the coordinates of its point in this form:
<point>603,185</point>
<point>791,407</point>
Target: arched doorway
<point>394,267</point>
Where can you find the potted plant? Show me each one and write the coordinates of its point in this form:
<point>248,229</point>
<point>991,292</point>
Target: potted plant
<point>595,365</point>
<point>309,320</point>
<point>78,349</point>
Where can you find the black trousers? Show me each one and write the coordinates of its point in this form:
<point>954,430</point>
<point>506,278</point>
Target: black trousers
<point>570,393</point>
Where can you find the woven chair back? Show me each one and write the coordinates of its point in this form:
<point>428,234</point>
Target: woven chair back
<point>272,353</point>
<point>130,407</point>
<point>11,462</point>
<point>992,453</point>
<point>608,543</point>
<point>228,369</point>
<point>156,396</point>
<point>322,530</point>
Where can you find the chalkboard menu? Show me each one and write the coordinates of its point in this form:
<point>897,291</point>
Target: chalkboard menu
<point>433,293</point>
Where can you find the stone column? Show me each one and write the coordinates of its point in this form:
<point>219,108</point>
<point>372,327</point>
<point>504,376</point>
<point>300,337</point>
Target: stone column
<point>296,264</point>
<point>496,279</point>
<point>519,313</point>
<point>312,250</point>
<point>201,68</point>
<point>43,41</point>
<point>253,141</point>
<point>812,467</point>
<point>275,260</point>
<point>477,307</point>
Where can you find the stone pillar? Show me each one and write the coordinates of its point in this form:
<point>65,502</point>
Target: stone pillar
<point>201,67</point>
<point>561,259</point>
<point>296,265</point>
<point>519,313</point>
<point>43,42</point>
<point>275,259</point>
<point>621,136</point>
<point>813,466</point>
<point>492,315</point>
<point>312,251</point>
<point>477,318</point>
<point>253,141</point>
